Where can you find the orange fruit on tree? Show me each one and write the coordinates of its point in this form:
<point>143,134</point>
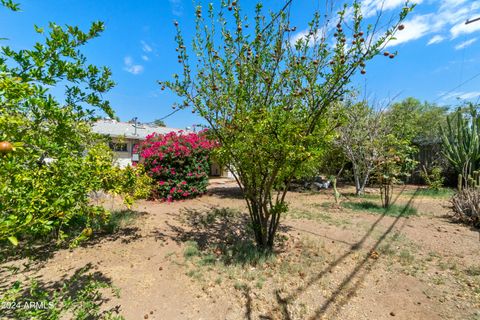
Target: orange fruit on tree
<point>5,147</point>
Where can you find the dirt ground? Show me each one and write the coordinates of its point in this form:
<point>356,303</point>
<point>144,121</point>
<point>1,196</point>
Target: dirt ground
<point>184,261</point>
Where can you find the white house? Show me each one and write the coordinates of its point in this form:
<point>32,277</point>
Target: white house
<point>125,136</point>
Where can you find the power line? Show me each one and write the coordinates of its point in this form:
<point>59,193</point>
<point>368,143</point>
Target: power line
<point>168,115</point>
<point>473,20</point>
<point>461,84</point>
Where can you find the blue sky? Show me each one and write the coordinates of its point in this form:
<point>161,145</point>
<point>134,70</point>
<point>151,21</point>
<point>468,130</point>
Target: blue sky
<point>436,52</point>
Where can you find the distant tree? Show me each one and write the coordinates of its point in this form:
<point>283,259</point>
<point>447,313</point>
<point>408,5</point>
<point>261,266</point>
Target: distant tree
<point>268,99</point>
<point>415,121</point>
<point>362,139</point>
<point>159,123</point>
<point>376,153</point>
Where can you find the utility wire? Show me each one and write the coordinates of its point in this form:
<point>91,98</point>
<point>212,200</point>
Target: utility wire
<point>461,71</point>
<point>460,85</point>
<point>170,114</point>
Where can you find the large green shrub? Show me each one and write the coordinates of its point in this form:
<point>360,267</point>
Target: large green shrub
<point>267,94</point>
<point>58,162</point>
<point>178,163</point>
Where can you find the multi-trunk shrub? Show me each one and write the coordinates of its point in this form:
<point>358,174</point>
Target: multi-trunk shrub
<point>178,162</point>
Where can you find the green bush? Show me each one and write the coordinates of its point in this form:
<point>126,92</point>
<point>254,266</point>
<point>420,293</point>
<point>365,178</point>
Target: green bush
<point>434,179</point>
<point>79,297</point>
<point>49,158</point>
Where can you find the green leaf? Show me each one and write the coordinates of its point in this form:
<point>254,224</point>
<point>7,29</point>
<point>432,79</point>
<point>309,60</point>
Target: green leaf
<point>13,240</point>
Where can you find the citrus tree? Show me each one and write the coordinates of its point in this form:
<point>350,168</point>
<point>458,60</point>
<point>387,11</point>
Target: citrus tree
<point>50,160</point>
<point>268,95</point>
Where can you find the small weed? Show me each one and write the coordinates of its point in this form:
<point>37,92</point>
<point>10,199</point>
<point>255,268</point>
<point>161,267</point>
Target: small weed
<point>195,274</point>
<point>317,216</point>
<point>393,210</point>
<point>191,249</point>
<point>208,259</point>
<point>119,219</point>
<point>448,265</point>
<point>473,271</point>
<point>406,258</point>
<point>168,255</point>
<point>432,255</point>
<point>260,282</point>
<point>240,285</point>
<point>386,249</point>
<point>438,280</point>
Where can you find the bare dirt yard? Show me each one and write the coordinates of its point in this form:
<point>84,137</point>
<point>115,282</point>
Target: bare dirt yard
<point>194,260</point>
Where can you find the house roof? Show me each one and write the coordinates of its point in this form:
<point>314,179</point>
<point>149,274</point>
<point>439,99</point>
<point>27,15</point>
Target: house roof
<point>114,128</point>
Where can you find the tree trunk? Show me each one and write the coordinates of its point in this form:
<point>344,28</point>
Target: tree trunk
<point>265,223</point>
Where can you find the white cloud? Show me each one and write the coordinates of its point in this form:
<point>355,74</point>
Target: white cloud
<point>177,7</point>
<point>469,95</point>
<point>371,7</point>
<point>461,95</point>
<point>441,20</point>
<point>436,39</point>
<point>129,66</point>
<point>145,58</point>
<point>415,28</point>
<point>465,44</point>
<point>146,47</point>
<point>462,28</point>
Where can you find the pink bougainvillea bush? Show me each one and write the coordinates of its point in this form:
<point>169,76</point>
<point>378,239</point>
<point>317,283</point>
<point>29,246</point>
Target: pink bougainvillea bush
<point>178,163</point>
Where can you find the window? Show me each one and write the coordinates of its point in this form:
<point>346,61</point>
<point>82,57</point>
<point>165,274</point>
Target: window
<point>118,147</point>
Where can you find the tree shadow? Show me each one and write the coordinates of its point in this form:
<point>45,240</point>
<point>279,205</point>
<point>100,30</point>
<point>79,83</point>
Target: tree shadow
<point>352,282</point>
<point>230,192</point>
<point>38,251</point>
<point>224,232</point>
<point>78,293</point>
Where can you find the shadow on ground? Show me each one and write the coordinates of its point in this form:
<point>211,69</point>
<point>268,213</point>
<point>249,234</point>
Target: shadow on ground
<point>229,191</point>
<point>351,283</point>
<point>223,232</point>
<point>39,250</point>
<point>80,295</point>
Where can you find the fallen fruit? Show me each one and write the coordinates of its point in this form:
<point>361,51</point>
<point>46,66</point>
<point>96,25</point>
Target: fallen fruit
<point>386,53</point>
<point>363,71</point>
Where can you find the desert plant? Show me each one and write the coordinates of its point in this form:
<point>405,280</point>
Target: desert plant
<point>270,96</point>
<point>461,143</point>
